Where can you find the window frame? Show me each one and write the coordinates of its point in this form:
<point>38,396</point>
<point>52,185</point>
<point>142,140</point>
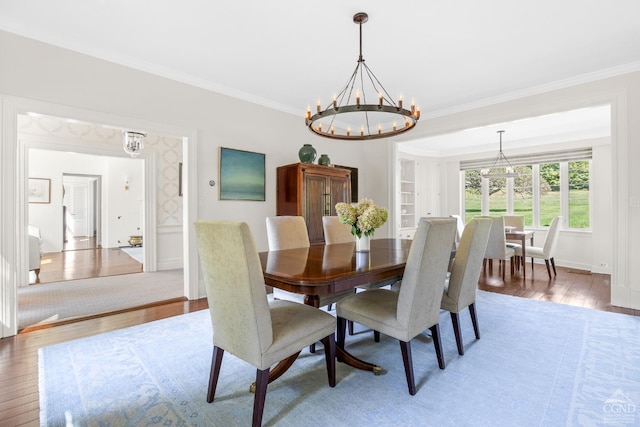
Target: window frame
<point>535,172</point>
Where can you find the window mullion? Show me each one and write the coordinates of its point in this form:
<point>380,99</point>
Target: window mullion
<point>535,176</point>
<point>564,192</point>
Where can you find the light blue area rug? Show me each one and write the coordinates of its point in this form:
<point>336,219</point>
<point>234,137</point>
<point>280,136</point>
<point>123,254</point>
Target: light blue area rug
<point>537,364</point>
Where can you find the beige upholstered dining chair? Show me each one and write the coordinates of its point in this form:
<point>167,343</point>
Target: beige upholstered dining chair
<point>405,314</point>
<point>245,324</point>
<point>460,289</point>
<point>336,232</point>
<point>547,250</point>
<point>497,246</point>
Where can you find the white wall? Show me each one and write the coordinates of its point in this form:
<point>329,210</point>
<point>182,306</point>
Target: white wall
<point>122,213</point>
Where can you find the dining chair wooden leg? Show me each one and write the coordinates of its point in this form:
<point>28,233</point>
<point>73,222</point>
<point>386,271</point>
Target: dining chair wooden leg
<point>435,335</point>
<point>216,361</point>
<point>330,358</point>
<point>376,336</point>
<point>350,327</point>
<point>341,327</point>
<point>405,348</point>
<point>546,261</point>
<point>474,319</point>
<point>456,331</point>
<point>262,380</point>
<point>553,264</point>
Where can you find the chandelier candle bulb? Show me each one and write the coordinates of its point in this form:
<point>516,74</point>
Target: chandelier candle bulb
<point>357,98</point>
<point>319,106</point>
<point>379,100</point>
<point>400,103</point>
<point>335,102</point>
<point>362,131</point>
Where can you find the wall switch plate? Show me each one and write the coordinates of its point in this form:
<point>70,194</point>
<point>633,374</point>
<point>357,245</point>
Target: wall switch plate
<point>634,201</point>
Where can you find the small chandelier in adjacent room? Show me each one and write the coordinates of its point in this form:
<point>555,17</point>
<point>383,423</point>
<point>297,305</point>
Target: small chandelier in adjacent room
<point>501,167</point>
<point>133,142</point>
<point>363,109</point>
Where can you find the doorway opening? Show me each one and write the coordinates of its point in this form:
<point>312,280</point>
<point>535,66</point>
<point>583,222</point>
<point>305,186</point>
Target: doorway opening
<point>81,206</point>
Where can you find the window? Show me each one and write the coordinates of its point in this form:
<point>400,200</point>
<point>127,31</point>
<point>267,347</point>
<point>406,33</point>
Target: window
<point>548,185</point>
<point>549,193</point>
<point>523,194</point>
<point>579,194</point>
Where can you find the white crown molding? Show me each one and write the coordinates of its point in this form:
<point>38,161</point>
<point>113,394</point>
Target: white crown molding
<point>536,90</point>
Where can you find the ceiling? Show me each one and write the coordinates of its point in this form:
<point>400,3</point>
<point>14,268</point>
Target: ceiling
<point>448,56</point>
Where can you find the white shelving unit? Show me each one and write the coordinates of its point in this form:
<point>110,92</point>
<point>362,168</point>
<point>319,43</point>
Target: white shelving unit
<point>407,189</point>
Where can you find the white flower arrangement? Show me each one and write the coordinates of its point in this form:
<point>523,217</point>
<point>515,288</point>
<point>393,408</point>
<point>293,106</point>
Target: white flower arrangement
<point>363,218</point>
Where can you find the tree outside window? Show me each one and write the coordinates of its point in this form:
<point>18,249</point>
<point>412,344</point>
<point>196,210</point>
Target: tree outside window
<point>547,194</point>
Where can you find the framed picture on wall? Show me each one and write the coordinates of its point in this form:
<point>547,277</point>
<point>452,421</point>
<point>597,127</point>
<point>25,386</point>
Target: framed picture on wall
<point>39,190</point>
<point>242,175</point>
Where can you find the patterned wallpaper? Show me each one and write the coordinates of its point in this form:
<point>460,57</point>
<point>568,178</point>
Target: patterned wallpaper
<point>169,204</point>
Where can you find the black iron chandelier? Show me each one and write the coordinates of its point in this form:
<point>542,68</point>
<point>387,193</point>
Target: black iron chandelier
<point>352,116</point>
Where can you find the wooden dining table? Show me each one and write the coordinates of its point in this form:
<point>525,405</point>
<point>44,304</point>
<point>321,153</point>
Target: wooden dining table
<point>325,269</point>
<point>522,236</point>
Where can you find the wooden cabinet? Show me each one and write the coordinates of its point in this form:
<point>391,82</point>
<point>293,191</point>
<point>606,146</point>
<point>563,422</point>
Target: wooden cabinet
<point>311,191</point>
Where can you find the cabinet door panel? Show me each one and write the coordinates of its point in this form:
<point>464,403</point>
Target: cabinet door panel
<point>340,192</point>
<point>316,194</point>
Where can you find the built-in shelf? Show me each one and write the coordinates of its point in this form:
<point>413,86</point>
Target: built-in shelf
<point>407,193</point>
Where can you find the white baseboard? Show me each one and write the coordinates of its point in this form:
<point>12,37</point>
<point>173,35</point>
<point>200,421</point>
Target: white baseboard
<point>170,264</point>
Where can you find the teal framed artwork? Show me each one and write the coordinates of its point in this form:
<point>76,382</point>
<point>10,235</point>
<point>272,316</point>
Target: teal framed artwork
<point>242,175</point>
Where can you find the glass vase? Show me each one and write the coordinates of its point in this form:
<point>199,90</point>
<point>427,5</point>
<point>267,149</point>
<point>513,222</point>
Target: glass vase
<point>363,244</point>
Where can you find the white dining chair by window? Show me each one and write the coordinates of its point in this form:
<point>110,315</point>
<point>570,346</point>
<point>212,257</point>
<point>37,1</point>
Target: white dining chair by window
<point>547,250</point>
<point>497,246</point>
<point>515,223</point>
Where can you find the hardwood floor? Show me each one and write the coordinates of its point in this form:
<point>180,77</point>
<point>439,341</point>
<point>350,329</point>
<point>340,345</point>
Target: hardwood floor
<point>19,397</point>
<point>85,263</point>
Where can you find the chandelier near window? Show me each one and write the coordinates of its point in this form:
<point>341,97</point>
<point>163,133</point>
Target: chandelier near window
<point>501,167</point>
<point>133,142</point>
<point>352,116</point>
